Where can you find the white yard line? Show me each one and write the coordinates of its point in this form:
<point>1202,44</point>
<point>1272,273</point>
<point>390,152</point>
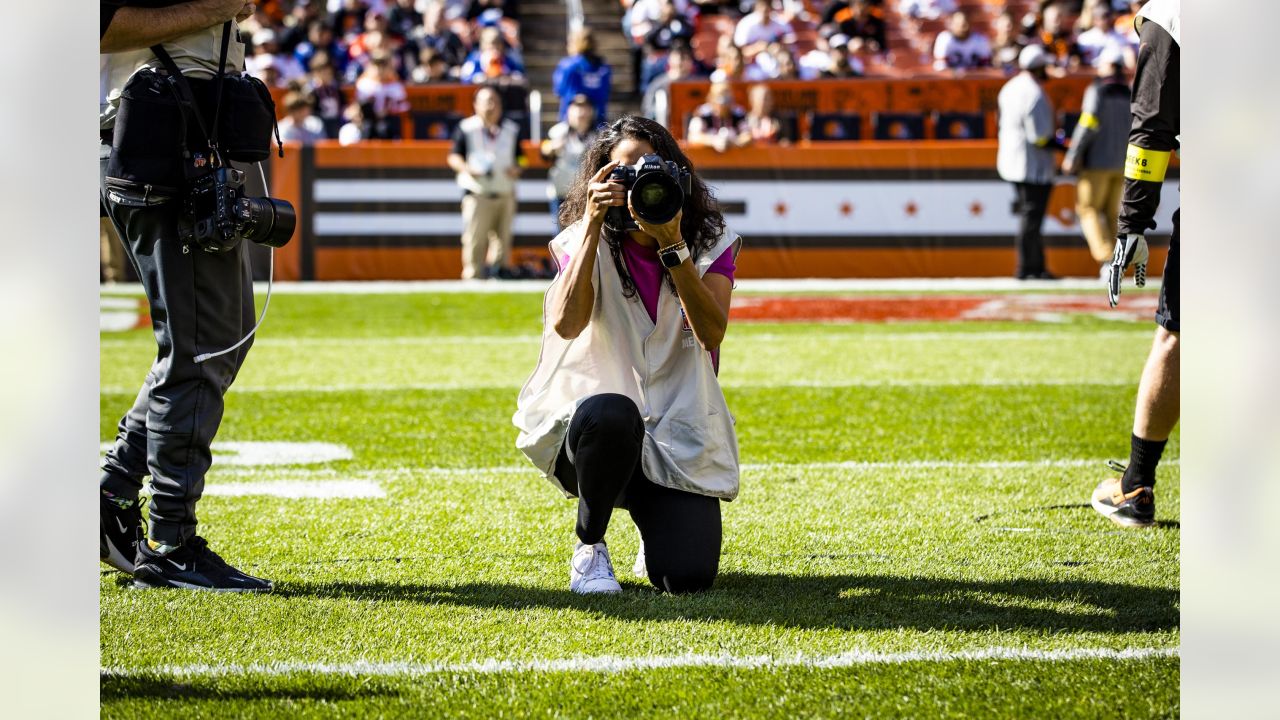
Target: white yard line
<point>256,454</point>
<point>612,664</point>
<point>299,489</point>
<point>854,465</point>
<point>729,385</point>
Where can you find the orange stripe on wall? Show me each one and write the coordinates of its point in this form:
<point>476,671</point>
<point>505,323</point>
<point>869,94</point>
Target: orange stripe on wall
<point>389,263</point>
<point>286,185</point>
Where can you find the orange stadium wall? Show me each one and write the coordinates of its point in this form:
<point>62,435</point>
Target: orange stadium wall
<point>389,210</point>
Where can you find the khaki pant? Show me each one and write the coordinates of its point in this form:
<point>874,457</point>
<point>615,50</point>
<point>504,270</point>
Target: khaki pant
<point>1098,194</point>
<point>110,252</point>
<point>486,233</point>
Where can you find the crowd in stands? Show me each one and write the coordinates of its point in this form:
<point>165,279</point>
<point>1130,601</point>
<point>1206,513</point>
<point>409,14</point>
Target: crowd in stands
<point>727,41</point>
<point>345,64</point>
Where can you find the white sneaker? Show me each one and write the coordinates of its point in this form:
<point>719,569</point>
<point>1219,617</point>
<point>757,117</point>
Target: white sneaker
<point>591,571</point>
<point>640,570</point>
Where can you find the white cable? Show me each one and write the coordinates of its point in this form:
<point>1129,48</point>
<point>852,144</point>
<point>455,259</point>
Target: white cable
<point>271,271</point>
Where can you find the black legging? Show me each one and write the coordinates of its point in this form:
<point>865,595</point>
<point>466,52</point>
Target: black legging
<point>681,530</point>
<point>1033,202</point>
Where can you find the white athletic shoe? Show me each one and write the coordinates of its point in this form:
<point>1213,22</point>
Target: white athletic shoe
<point>640,570</point>
<point>591,571</point>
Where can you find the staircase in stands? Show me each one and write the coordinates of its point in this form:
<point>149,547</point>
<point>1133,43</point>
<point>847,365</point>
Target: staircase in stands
<point>543,30</point>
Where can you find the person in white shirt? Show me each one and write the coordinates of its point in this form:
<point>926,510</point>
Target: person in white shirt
<point>1102,38</point>
<point>720,123</point>
<point>624,409</point>
<point>266,52</point>
<point>352,131</point>
<point>756,30</point>
<point>298,124</point>
<point>959,48</point>
<point>926,9</point>
<point>488,158</point>
<point>566,142</point>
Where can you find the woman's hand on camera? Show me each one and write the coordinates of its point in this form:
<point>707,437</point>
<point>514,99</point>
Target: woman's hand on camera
<point>602,194</point>
<point>667,234</point>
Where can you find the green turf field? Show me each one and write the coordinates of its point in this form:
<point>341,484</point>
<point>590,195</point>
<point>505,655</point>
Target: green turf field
<point>912,537</point>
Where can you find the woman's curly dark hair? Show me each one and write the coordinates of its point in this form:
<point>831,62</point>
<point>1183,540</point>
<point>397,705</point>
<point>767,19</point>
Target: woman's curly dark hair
<point>702,224</point>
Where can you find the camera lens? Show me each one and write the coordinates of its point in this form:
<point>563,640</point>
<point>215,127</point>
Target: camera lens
<point>266,221</point>
<point>657,197</point>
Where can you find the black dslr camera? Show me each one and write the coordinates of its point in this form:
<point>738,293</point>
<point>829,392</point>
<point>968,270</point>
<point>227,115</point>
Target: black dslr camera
<point>217,215</point>
<point>655,187</point>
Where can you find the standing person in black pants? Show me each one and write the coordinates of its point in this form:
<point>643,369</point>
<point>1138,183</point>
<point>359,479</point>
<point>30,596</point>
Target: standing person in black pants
<point>624,408</point>
<point>201,303</point>
<point>1025,157</point>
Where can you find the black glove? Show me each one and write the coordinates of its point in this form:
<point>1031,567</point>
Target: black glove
<point>1132,250</point>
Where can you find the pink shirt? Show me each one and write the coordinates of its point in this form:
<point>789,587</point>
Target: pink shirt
<point>647,271</point>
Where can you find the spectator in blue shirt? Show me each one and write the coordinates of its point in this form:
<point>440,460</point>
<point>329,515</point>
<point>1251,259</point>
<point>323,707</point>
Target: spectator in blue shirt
<point>583,73</point>
<point>491,64</point>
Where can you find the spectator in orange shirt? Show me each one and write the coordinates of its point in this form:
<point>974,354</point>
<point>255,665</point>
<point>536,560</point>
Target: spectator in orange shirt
<point>857,20</point>
<point>1058,40</point>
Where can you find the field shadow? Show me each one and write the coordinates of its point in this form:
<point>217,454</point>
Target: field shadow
<point>238,689</point>
<point>1162,524</point>
<point>849,602</point>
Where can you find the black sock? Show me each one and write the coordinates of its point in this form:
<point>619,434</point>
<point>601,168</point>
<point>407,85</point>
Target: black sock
<point>1144,455</point>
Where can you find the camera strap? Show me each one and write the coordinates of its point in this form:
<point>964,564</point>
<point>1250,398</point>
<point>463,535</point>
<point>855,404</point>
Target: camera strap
<point>187,97</point>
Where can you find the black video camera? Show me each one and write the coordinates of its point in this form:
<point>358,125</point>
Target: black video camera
<point>217,215</point>
<point>656,188</point>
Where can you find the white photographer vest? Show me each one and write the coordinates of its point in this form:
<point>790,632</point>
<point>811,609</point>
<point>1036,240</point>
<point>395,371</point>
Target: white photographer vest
<point>689,441</point>
<point>497,154</point>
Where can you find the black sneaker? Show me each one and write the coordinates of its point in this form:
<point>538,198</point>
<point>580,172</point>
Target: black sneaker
<point>192,566</point>
<point>1136,508</point>
<point>120,529</point>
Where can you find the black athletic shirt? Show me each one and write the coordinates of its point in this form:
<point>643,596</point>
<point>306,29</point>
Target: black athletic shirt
<point>1155,122</point>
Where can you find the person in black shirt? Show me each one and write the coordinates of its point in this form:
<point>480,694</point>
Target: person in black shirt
<point>857,20</point>
<point>201,302</point>
<point>1153,137</point>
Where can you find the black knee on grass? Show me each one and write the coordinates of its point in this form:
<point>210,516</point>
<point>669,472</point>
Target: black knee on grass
<point>611,415</point>
<point>683,583</point>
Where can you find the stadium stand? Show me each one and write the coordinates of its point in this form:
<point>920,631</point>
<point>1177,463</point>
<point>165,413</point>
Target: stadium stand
<point>430,42</point>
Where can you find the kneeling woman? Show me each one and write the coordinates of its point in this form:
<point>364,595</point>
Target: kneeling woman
<point>624,409</point>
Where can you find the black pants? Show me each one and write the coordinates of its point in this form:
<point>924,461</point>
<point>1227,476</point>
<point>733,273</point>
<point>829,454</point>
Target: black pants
<point>1168,311</point>
<point>681,530</point>
<point>200,302</point>
<point>1033,201</point>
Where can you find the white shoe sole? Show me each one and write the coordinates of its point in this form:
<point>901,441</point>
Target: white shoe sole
<point>117,560</point>
<point>601,591</point>
<point>143,585</point>
<point>1110,512</point>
